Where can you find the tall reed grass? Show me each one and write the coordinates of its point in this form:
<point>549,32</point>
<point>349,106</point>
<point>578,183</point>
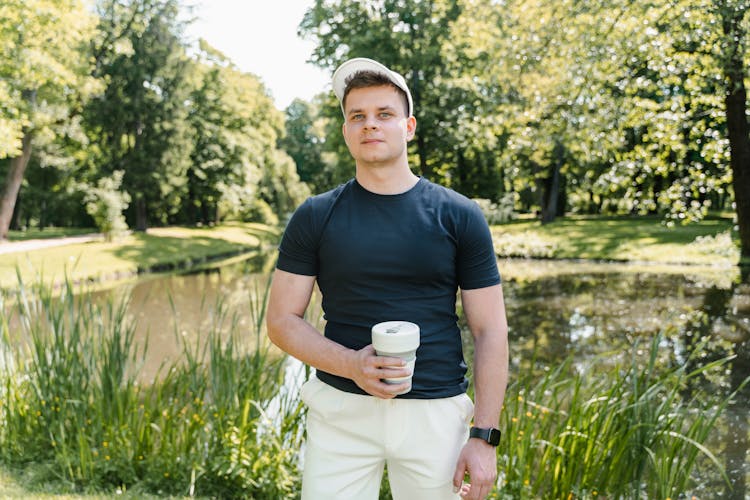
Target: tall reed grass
<point>211,424</point>
<point>221,422</point>
<point>628,432</point>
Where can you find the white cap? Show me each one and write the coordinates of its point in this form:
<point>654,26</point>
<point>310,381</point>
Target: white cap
<point>352,66</point>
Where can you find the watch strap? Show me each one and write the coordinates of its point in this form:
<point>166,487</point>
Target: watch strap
<point>490,435</point>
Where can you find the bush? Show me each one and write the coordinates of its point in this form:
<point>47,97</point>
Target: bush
<point>500,212</point>
<point>526,245</point>
<point>105,204</point>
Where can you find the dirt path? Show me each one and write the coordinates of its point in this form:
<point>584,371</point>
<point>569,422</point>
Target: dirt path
<point>28,245</point>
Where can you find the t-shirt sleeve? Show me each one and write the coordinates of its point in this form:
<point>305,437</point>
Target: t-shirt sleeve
<point>477,262</point>
<point>298,251</point>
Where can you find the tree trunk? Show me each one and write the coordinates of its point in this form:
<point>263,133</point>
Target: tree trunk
<point>141,221</point>
<point>206,215</point>
<point>13,185</point>
<point>16,223</point>
<point>737,125</point>
<point>552,185</point>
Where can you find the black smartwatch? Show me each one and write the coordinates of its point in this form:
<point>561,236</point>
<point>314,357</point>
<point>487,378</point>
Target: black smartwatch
<point>491,435</point>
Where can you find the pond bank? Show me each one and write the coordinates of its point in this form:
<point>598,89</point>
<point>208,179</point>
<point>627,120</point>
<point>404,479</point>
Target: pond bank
<point>89,259</point>
<point>639,241</point>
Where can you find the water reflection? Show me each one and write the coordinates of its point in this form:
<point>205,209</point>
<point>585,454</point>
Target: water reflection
<point>593,313</point>
<point>598,314</point>
<point>172,311</point>
<point>736,313</point>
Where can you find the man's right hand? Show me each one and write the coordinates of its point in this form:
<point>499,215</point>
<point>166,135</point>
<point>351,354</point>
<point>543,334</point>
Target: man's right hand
<point>368,369</point>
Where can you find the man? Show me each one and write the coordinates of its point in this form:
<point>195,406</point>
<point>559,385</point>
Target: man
<point>391,246</point>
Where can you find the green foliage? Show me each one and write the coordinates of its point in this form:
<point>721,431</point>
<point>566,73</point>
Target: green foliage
<point>497,213</point>
<point>45,76</point>
<point>580,433</point>
<point>105,203</point>
<point>629,109</point>
<point>527,245</point>
<point>262,212</point>
<point>223,422</point>
<point>139,123</point>
<point>621,112</point>
<point>44,70</point>
<point>236,129</point>
<point>211,424</point>
<point>303,141</point>
<point>280,186</point>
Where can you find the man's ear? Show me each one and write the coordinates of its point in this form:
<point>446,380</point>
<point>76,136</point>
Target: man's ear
<point>411,127</point>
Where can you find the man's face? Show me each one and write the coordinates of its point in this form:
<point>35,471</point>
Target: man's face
<point>375,127</point>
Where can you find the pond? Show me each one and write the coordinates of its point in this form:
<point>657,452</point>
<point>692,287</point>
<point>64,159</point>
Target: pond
<point>595,312</point>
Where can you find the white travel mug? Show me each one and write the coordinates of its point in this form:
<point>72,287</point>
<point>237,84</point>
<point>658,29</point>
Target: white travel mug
<point>398,339</point>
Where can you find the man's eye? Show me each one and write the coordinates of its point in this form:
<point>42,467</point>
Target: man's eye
<point>357,117</point>
<point>385,115</point>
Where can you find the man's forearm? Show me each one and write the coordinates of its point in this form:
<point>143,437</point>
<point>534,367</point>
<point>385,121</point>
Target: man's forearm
<point>490,377</point>
<point>295,336</point>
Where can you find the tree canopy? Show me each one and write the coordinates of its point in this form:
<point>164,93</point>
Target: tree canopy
<point>599,107</point>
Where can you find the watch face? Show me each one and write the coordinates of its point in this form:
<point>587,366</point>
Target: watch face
<point>494,437</point>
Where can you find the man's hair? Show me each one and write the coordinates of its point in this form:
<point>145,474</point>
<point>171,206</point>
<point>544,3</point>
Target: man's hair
<point>366,79</point>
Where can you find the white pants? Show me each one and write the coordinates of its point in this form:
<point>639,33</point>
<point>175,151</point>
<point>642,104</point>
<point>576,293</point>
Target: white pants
<point>351,437</point>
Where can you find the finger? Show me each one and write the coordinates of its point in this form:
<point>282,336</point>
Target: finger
<point>390,372</point>
<point>391,362</point>
<point>458,476</point>
<point>396,389</point>
<point>465,490</point>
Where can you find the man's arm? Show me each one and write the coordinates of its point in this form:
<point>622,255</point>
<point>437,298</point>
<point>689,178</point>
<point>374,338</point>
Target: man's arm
<point>287,328</point>
<point>484,309</point>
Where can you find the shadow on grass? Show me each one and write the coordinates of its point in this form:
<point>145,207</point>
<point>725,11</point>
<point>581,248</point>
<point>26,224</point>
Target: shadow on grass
<point>164,253</point>
<point>606,236</point>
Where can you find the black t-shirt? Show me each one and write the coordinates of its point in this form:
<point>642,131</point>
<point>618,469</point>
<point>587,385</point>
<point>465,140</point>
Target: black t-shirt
<point>394,258</point>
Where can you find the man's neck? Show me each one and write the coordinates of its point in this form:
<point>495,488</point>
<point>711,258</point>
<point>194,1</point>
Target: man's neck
<point>386,180</point>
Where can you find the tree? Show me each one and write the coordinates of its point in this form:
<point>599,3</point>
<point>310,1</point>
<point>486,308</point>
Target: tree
<point>690,82</point>
<point>222,175</point>
<point>621,110</point>
<point>45,74</point>
<point>733,56</point>
<point>236,169</point>
<point>303,141</point>
<point>407,36</point>
<point>139,122</point>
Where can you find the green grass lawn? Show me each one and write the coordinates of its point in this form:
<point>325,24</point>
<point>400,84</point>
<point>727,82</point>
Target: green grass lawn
<point>49,232</point>
<point>632,239</point>
<point>158,249</point>
<point>12,487</point>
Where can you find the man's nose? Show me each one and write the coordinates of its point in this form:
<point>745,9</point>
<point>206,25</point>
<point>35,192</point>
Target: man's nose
<point>371,121</point>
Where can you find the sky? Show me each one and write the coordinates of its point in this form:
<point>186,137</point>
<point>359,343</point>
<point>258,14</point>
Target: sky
<point>260,37</point>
